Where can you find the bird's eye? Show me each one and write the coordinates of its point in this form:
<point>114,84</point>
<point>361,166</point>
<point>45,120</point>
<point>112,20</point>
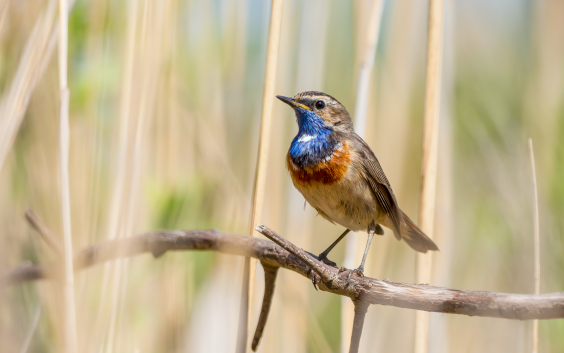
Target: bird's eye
<point>320,104</point>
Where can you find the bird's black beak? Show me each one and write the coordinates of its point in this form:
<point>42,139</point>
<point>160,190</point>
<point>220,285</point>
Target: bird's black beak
<point>292,102</point>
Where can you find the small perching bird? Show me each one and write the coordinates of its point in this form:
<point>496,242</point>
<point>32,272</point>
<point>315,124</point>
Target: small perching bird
<point>339,175</point>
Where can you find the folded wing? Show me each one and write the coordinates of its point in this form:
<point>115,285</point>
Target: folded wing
<point>379,184</point>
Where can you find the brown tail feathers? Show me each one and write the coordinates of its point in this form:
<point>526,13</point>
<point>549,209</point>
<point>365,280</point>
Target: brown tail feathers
<point>415,237</point>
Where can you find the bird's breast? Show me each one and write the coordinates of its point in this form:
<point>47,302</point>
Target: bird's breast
<point>329,171</point>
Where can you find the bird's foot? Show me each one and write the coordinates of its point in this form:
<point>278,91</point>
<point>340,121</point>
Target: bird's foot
<point>359,272</point>
<point>314,277</point>
<point>323,258</point>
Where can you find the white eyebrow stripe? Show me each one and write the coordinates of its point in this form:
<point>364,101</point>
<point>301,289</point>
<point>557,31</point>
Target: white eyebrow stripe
<point>306,138</point>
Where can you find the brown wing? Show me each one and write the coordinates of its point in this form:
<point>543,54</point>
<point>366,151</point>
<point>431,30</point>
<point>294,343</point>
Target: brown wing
<point>379,183</point>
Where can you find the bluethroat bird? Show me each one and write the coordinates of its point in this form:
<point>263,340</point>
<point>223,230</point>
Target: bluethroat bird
<point>339,176</point>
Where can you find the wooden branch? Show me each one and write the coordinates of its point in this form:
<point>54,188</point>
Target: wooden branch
<point>360,309</point>
<point>270,273</point>
<point>370,290</point>
<point>44,232</point>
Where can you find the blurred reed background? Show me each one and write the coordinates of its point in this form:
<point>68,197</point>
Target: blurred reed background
<point>165,101</point>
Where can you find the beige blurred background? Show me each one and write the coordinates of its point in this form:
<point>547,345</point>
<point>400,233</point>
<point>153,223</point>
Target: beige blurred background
<point>165,100</point>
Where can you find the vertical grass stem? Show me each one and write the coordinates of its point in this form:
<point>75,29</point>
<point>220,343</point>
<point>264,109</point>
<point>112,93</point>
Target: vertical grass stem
<point>429,157</point>
<point>69,317</point>
<point>249,267</point>
<point>537,245</point>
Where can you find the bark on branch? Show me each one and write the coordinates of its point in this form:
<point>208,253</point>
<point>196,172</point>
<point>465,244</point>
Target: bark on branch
<point>370,290</point>
<point>270,273</point>
<point>360,309</point>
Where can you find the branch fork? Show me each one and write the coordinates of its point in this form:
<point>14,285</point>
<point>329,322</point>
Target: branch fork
<point>330,279</point>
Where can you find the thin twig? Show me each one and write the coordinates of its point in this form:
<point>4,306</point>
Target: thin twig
<point>44,232</point>
<point>373,291</point>
<point>270,273</point>
<point>537,245</point>
<point>360,309</point>
<point>429,157</point>
<point>249,267</point>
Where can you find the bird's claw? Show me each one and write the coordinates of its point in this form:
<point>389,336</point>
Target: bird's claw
<point>325,260</point>
<point>359,272</point>
<point>314,279</point>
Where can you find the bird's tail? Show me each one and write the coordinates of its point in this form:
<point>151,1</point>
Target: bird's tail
<point>415,237</point>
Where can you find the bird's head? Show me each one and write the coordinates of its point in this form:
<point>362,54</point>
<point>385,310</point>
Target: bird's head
<point>319,110</point>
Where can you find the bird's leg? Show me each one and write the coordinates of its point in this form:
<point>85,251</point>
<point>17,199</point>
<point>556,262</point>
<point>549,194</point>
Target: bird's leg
<point>323,256</point>
<point>360,270</point>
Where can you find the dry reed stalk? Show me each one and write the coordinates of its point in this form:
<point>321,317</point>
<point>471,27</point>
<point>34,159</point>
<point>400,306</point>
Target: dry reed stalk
<point>283,315</point>
<point>97,50</point>
<point>366,65</point>
<point>167,138</point>
<point>544,92</point>
<point>442,266</point>
<point>130,192</point>
<point>69,316</point>
<point>546,80</point>
<point>125,118</point>
<point>4,11</point>
<point>308,74</point>
<point>36,56</point>
<point>14,102</point>
<point>352,256</point>
<point>537,245</point>
<point>429,158</point>
<point>249,267</point>
<point>111,270</point>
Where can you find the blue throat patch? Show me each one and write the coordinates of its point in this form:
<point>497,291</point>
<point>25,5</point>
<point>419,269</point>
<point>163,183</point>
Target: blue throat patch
<point>314,142</point>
